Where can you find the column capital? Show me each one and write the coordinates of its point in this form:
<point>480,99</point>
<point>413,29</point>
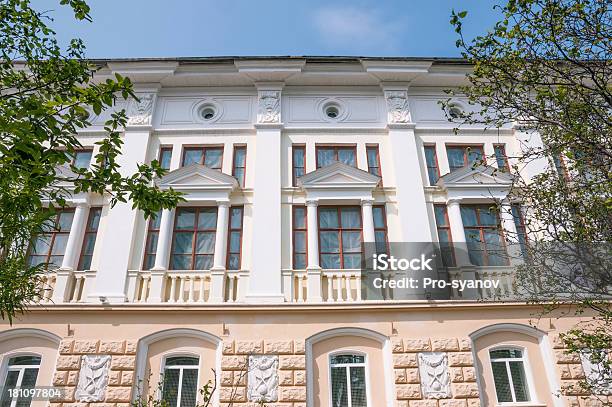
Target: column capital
<point>367,202</point>
<point>312,202</point>
<point>453,201</point>
<point>224,203</point>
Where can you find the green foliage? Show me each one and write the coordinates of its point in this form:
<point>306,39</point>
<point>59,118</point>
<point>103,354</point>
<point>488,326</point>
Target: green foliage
<point>46,94</point>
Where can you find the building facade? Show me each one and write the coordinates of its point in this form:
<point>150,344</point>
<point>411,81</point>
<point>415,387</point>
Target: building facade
<point>253,283</point>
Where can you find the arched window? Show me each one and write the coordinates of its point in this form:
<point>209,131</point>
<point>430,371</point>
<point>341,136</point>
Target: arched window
<point>508,366</point>
<point>348,380</point>
<point>180,381</point>
<point>21,372</point>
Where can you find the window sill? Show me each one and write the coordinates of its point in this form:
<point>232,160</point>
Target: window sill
<point>522,404</point>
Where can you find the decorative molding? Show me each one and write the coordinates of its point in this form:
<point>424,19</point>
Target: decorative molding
<point>93,378</point>
<point>269,106</point>
<point>398,110</point>
<point>263,378</point>
<point>435,378</point>
<point>140,112</point>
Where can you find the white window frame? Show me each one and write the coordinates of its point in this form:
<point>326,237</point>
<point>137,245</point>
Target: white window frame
<point>528,376</point>
<point>21,368</point>
<point>348,376</point>
<point>181,368</point>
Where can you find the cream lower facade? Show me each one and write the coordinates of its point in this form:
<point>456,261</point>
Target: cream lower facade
<point>287,166</point>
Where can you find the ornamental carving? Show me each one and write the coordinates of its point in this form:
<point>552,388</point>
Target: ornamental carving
<point>140,111</point>
<point>397,106</point>
<point>93,378</point>
<point>269,107</point>
<point>263,378</point>
<point>435,377</point>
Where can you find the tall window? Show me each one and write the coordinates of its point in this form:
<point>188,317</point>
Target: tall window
<point>327,155</point>
<point>380,229</point>
<point>22,372</point>
<point>348,380</point>
<point>340,237</point>
<point>49,247</point>
<point>373,160</point>
<point>234,251</point>
<point>500,157</point>
<point>298,162</point>
<point>431,159</point>
<point>519,224</point>
<point>193,241</point>
<point>82,158</point>
<point>299,238</point>
<point>89,241</point>
<point>239,164</point>
<point>165,157</point>
<point>180,381</point>
<point>444,235</point>
<point>151,245</point>
<point>508,367</point>
<point>212,157</point>
<point>483,236</point>
<point>462,156</point>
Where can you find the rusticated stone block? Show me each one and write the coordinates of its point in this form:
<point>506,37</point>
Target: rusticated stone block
<point>423,403</point>
<point>400,376</point>
<point>557,342</point>
<point>123,362</point>
<point>59,378</point>
<point>408,391</point>
<point>563,357</point>
<point>240,378</point>
<point>68,363</point>
<point>55,404</point>
<point>233,394</point>
<point>228,347</point>
<point>233,362</point>
<point>401,403</point>
<point>65,346</point>
<point>112,347</point>
<point>460,359</point>
<point>576,371</point>
<point>122,405</point>
<point>456,374</point>
<point>66,395</point>
<point>397,345</point>
<point>444,344</point>
<point>114,378</point>
<point>299,377</point>
<point>469,374</point>
<point>285,377</point>
<point>573,388</point>
<point>278,347</point>
<point>227,378</point>
<point>130,347</point>
<point>299,347</point>
<point>452,403</point>
<point>85,347</point>
<point>571,401</point>
<point>85,404</point>
<point>127,378</point>
<point>416,345</point>
<point>73,378</point>
<point>464,390</point>
<point>405,360</point>
<point>249,347</point>
<point>292,393</point>
<point>473,402</point>
<point>465,344</point>
<point>592,401</point>
<point>565,373</point>
<point>118,394</point>
<point>412,375</point>
<point>287,362</point>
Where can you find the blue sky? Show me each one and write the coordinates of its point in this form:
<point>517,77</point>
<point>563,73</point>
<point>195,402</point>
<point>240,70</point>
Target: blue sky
<point>165,28</point>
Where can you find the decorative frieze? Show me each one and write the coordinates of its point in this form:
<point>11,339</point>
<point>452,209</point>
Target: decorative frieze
<point>93,378</point>
<point>435,378</point>
<point>140,111</point>
<point>263,378</point>
<point>398,110</point>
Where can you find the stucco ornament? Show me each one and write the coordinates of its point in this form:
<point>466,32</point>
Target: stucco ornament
<point>269,107</point>
<point>435,378</point>
<point>263,378</point>
<point>397,105</point>
<point>93,378</point>
<point>141,111</point>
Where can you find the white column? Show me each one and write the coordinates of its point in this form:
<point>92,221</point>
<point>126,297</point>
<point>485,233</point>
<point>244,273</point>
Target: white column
<point>368,220</point>
<point>75,238</point>
<point>164,240</point>
<point>313,269</point>
<point>218,274</point>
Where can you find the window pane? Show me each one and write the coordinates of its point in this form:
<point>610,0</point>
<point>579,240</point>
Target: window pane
<point>207,219</point>
<point>82,159</point>
<point>299,215</point>
<point>432,175</point>
<point>350,218</point>
<point>94,219</point>
<point>379,217</point>
<point>351,242</point>
<point>149,261</point>
<point>9,383</point>
<point>330,261</point>
<point>192,157</point>
<point>519,381</point>
<point>213,158</point>
<point>24,360</point>
<point>89,243</point>
<point>325,156</point>
<point>180,262</point>
<point>330,243</point>
<point>41,245</point>
<point>347,157</point>
<point>502,383</point>
<point>328,218</point>
<point>298,157</point>
<point>65,221</point>
<point>488,217</point>
<point>352,261</point>
<point>358,387</point>
<point>170,388</point>
<point>234,246</point>
<point>182,361</point>
<point>59,245</point>
<point>299,242</point>
<point>234,262</point>
<point>240,157</point>
<point>156,221</point>
<point>468,215</point>
<point>165,158</point>
<point>440,212</point>
<point>343,359</point>
<point>338,387</point>
<point>205,243</point>
<point>183,242</point>
<point>203,262</point>
<point>239,175</point>
<point>236,217</point>
<point>299,261</point>
<point>185,219</point>
<point>189,388</point>
<point>298,172</point>
<point>474,155</point>
<point>455,157</point>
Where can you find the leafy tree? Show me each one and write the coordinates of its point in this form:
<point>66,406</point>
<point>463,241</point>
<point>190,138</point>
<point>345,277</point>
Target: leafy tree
<point>545,68</point>
<point>46,95</point>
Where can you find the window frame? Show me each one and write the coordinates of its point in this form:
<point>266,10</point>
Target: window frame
<point>163,149</point>
<point>427,167</point>
<point>88,232</point>
<point>450,233</point>
<point>295,229</point>
<point>234,166</point>
<point>204,149</point>
<point>466,157</point>
<point>82,150</point>
<point>375,147</point>
<point>295,147</point>
<point>339,230</point>
<point>385,227</point>
<point>149,231</point>
<point>365,364</point>
<point>229,237</point>
<point>526,369</point>
<point>336,148</point>
<point>54,232</point>
<point>160,392</point>
<point>5,368</point>
<point>504,157</point>
<point>481,229</point>
<point>195,232</point>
